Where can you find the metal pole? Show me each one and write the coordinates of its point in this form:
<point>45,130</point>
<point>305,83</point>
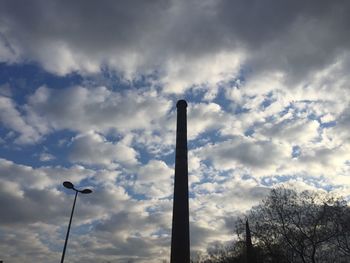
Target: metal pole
<point>70,222</point>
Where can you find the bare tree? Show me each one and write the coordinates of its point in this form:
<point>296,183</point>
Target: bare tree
<point>305,227</point>
<point>290,227</point>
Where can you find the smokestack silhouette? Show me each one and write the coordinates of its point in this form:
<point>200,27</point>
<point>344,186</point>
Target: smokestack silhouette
<point>250,257</point>
<point>180,236</point>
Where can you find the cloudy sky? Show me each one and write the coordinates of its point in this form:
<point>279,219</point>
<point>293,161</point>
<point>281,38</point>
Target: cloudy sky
<point>88,92</point>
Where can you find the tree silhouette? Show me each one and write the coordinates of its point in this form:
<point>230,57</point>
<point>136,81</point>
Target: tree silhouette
<point>301,227</point>
<point>291,227</point>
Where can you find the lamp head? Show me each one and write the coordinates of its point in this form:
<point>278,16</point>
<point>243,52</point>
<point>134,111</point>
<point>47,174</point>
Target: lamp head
<point>86,191</point>
<point>68,185</point>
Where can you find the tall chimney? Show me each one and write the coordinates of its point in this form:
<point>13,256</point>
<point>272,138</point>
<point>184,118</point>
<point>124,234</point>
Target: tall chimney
<point>180,237</point>
<point>250,253</point>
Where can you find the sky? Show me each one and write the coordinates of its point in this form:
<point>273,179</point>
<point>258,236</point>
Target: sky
<point>88,92</point>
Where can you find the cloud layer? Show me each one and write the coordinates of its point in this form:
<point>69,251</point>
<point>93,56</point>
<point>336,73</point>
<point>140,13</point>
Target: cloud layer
<point>186,42</point>
<point>268,104</point>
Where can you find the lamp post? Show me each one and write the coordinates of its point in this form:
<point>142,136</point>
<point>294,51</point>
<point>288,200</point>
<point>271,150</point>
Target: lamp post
<point>69,185</point>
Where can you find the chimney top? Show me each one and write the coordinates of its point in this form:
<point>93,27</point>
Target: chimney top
<point>181,104</point>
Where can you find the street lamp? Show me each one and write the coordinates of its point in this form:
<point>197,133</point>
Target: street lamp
<point>69,185</point>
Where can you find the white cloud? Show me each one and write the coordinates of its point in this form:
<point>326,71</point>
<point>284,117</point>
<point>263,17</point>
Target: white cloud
<point>42,178</point>
<point>188,42</point>
<point>11,118</point>
<point>63,60</point>
<point>98,109</point>
<point>203,117</point>
<point>208,71</point>
<point>45,157</point>
<point>93,149</point>
<point>154,180</point>
<point>259,156</point>
<point>295,131</point>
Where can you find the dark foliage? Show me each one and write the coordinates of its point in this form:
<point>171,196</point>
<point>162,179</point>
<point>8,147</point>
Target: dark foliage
<point>292,227</point>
